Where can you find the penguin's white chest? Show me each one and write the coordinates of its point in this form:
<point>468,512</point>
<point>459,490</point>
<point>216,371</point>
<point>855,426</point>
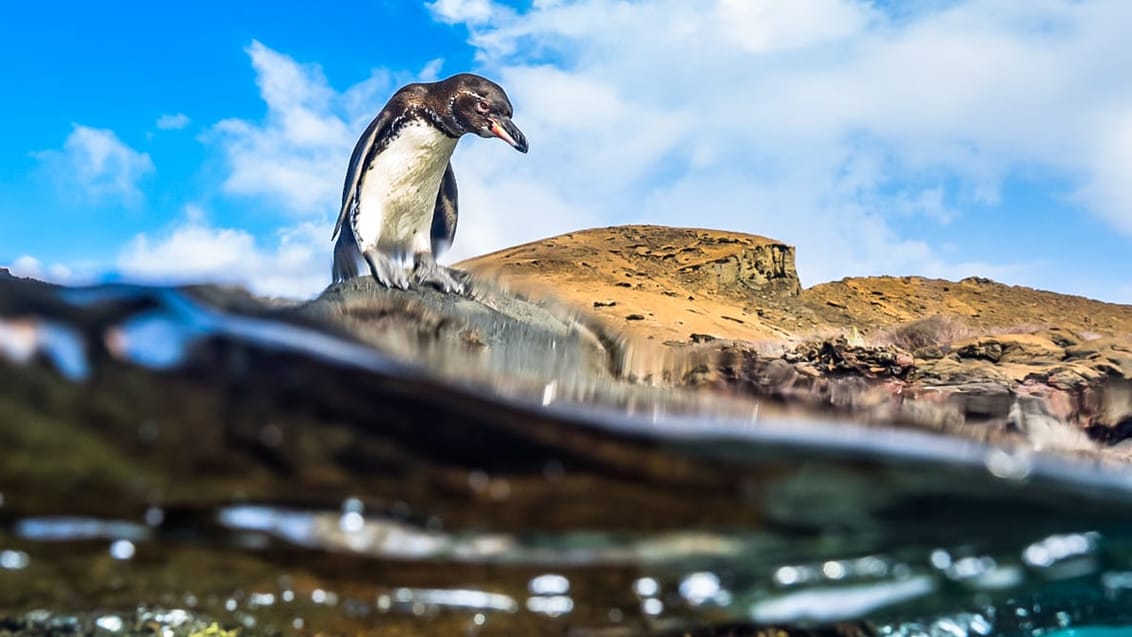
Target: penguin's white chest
<point>398,191</point>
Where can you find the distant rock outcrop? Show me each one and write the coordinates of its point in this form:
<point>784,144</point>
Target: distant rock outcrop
<point>671,282</point>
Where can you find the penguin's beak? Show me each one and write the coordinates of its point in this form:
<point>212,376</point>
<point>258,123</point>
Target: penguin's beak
<point>503,128</point>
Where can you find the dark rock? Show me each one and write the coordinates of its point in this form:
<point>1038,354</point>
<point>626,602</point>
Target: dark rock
<point>977,400</point>
<point>986,350</point>
<point>488,332</point>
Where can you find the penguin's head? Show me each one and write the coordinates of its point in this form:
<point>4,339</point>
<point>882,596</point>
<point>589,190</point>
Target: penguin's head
<point>478,105</point>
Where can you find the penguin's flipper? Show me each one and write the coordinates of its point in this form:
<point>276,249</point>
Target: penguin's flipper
<point>445,213</point>
<point>363,151</point>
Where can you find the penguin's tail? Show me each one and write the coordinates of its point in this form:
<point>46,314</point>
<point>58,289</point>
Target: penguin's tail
<point>347,256</point>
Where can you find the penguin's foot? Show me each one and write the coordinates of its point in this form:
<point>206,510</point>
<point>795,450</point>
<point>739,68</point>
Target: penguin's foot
<point>426,271</point>
<point>387,271</point>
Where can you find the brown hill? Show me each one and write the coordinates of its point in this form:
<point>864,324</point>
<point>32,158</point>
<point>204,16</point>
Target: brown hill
<point>664,283</point>
<point>669,284</point>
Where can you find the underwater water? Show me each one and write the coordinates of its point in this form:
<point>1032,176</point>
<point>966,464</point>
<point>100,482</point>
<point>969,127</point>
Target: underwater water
<point>170,467</point>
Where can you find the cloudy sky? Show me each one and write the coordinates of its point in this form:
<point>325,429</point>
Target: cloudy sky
<point>944,138</point>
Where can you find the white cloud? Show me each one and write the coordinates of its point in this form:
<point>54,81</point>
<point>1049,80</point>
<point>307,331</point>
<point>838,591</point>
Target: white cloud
<point>96,164</point>
<point>763,26</point>
<point>1108,183</point>
<point>825,123</point>
<point>31,267</point>
<point>295,264</point>
<point>291,156</point>
<point>173,122</point>
<point>431,71</point>
<point>470,11</point>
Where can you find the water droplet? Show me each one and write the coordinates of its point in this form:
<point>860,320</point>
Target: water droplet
<point>646,587</point>
<point>615,615</point>
<point>980,625</point>
<point>261,599</point>
<point>154,516</point>
<point>230,604</point>
<point>549,584</point>
<point>1036,555</point>
<point>1009,464</point>
<point>353,505</point>
<point>551,606</point>
<point>548,392</point>
<point>870,566</point>
<point>287,595</point>
<point>699,588</point>
<point>652,606</point>
<point>384,602</point>
<point>351,522</point>
<point>787,575</point>
<point>1063,619</point>
<point>297,623</point>
<point>947,627</point>
<point>122,550</point>
<point>14,560</point>
<point>478,619</point>
<point>173,618</point>
<point>941,559</point>
<point>833,570</point>
<point>111,623</point>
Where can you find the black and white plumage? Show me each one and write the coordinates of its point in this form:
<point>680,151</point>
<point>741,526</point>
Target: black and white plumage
<point>399,199</point>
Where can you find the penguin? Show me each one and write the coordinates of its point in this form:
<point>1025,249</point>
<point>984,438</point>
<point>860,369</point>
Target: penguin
<point>399,199</point>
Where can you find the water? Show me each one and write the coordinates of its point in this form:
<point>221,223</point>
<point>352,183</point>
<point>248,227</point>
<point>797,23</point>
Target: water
<point>169,467</point>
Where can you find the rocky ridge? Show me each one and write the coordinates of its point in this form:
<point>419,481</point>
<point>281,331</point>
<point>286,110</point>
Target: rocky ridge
<point>974,355</point>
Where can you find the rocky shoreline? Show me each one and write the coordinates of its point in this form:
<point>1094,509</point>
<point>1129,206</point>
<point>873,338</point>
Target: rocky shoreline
<point>973,357</point>
<point>624,315</point>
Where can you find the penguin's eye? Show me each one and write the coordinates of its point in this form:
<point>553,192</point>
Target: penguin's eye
<point>482,106</point>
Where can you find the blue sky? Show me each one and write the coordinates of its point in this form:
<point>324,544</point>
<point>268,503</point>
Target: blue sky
<point>947,139</point>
